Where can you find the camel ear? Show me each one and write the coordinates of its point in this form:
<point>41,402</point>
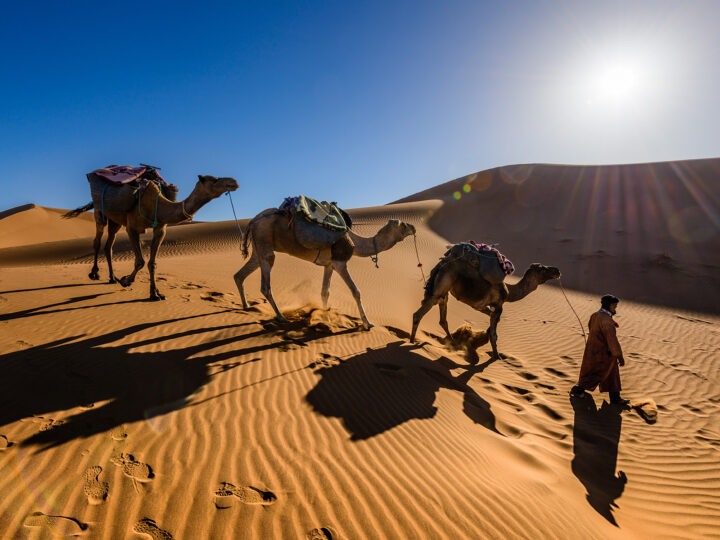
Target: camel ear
<point>204,178</point>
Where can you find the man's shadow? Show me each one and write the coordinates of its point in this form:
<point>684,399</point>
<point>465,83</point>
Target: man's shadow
<point>596,434</point>
<point>380,389</point>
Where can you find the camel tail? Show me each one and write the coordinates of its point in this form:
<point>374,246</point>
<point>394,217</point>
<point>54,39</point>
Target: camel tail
<point>245,249</point>
<point>75,213</point>
<point>430,285</point>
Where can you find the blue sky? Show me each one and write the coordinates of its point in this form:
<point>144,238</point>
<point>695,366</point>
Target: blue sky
<point>359,102</point>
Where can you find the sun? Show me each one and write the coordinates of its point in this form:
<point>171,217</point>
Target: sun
<point>616,83</point>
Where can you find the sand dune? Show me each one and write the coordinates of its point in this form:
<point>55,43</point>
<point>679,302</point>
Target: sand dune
<point>191,418</point>
<point>650,232</point>
<point>32,224</point>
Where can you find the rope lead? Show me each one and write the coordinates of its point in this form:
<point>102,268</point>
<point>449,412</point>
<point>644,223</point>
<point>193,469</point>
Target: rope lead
<point>420,265</point>
<point>242,235</point>
<point>573,310</point>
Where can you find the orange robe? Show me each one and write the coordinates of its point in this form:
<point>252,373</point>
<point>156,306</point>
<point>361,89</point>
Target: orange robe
<point>599,363</point>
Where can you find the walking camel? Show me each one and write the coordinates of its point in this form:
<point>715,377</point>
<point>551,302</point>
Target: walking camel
<point>270,231</point>
<point>457,277</point>
<point>152,210</point>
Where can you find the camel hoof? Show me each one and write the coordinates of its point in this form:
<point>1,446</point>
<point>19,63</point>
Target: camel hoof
<point>367,326</point>
<point>94,276</point>
<point>281,319</point>
<point>125,281</point>
<point>112,280</point>
<point>155,297</point>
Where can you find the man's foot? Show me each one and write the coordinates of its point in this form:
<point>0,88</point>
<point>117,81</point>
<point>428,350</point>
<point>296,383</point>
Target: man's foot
<point>615,399</point>
<point>578,391</point>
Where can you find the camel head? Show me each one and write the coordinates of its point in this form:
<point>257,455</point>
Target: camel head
<point>542,273</point>
<point>397,230</point>
<point>212,186</point>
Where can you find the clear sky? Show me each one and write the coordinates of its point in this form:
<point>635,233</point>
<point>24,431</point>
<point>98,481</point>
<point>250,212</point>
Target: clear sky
<point>362,102</point>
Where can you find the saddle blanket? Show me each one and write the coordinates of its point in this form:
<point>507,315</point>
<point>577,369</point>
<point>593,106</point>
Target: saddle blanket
<point>321,213</point>
<point>486,249</point>
<point>122,174</point>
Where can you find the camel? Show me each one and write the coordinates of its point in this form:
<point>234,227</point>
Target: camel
<point>153,210</point>
<point>457,277</point>
<point>270,231</point>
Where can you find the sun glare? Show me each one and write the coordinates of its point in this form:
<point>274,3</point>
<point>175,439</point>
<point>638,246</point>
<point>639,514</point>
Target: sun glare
<point>616,82</point>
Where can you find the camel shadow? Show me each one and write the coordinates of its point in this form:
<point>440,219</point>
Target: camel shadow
<point>380,389</point>
<point>113,379</point>
<point>50,287</point>
<point>596,435</point>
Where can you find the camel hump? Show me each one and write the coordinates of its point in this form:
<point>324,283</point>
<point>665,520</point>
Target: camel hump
<point>492,265</point>
<point>318,224</point>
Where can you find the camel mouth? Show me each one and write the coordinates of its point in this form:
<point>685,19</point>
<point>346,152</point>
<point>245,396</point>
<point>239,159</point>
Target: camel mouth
<point>231,184</point>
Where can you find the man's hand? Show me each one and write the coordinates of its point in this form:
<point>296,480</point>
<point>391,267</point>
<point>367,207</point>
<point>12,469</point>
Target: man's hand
<point>621,361</point>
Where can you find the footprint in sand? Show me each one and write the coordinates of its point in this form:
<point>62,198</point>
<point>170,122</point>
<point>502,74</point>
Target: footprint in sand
<point>322,533</point>
<point>247,495</point>
<point>118,434</point>
<point>58,524</point>
<point>149,528</point>
<point>138,471</point>
<point>95,489</point>
<point>557,372</point>
<point>4,443</point>
<point>46,424</point>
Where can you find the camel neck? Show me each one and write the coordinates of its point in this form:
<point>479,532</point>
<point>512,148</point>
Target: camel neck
<point>522,288</point>
<point>165,211</point>
<point>368,247</point>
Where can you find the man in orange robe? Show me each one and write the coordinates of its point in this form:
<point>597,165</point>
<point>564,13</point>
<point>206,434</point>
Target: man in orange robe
<point>603,355</point>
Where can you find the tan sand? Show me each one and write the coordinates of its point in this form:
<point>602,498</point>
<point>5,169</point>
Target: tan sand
<point>191,418</point>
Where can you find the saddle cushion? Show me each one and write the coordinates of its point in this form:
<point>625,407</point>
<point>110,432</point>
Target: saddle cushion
<point>319,225</point>
<point>321,213</point>
<point>492,265</point>
<point>119,174</point>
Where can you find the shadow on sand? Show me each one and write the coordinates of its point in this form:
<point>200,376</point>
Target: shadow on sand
<point>136,384</point>
<point>380,389</point>
<point>596,434</point>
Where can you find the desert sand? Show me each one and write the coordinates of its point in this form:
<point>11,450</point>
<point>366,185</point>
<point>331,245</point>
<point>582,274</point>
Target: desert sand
<point>191,418</point>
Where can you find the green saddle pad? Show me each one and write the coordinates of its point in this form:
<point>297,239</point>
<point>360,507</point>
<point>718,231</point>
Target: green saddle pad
<point>322,212</point>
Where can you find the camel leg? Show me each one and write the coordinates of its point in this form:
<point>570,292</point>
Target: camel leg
<point>266,263</point>
<point>426,306</point>
<point>247,269</point>
<point>441,287</point>
<point>341,269</point>
<point>492,330</point>
<point>113,229</point>
<point>325,294</point>
<point>134,237</point>
<point>99,229</point>
<point>158,237</point>
<point>442,304</point>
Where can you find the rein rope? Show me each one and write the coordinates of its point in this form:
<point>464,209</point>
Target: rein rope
<point>242,235</point>
<point>374,258</point>
<point>420,265</point>
<point>573,310</point>
<point>187,216</point>
<point>157,199</point>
